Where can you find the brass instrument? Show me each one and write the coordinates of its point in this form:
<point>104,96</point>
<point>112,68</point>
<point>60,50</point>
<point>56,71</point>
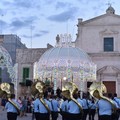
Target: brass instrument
<point>6,88</point>
<point>39,88</point>
<point>97,89</point>
<point>68,90</point>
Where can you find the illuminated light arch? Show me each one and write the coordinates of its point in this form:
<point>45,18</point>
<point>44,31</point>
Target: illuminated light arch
<point>6,62</point>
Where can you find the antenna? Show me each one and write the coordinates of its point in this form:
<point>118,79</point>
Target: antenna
<point>73,31</point>
<point>67,26</point>
<point>1,23</point>
<point>31,34</point>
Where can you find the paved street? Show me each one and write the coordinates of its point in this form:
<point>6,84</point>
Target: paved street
<point>28,117</point>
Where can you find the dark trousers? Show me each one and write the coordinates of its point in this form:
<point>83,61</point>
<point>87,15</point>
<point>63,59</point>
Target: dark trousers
<point>105,117</point>
<point>11,116</point>
<point>54,115</point>
<point>115,116</point>
<point>70,116</point>
<point>74,116</point>
<point>36,115</point>
<point>44,116</point>
<point>33,115</point>
<point>64,115</point>
<point>85,113</point>
<point>92,114</point>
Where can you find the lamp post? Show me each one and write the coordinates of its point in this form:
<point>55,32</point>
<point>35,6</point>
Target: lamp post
<point>61,83</point>
<point>64,78</point>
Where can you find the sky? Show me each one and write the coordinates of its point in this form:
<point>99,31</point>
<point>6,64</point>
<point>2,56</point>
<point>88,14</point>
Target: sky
<point>37,22</point>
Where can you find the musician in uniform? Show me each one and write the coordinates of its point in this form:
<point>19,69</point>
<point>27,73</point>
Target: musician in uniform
<point>86,106</point>
<point>55,106</point>
<point>117,100</point>
<point>42,106</point>
<point>104,106</point>
<point>63,108</point>
<point>74,111</point>
<point>92,109</point>
<point>36,108</point>
<point>11,109</point>
<point>115,114</point>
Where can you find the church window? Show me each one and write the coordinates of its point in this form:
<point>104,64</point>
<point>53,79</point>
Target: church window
<point>108,44</point>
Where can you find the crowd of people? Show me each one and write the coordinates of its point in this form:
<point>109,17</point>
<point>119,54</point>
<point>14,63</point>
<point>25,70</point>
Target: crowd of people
<point>58,104</point>
<point>70,110</point>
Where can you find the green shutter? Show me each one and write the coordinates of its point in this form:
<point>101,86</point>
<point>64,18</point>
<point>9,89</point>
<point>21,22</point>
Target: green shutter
<point>26,72</point>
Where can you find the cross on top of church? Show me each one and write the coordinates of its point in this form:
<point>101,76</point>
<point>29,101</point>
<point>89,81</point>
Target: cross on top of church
<point>110,3</point>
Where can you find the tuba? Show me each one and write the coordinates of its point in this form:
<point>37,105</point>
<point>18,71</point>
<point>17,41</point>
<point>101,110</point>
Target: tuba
<point>97,89</point>
<point>68,91</point>
<point>6,88</point>
<point>38,88</point>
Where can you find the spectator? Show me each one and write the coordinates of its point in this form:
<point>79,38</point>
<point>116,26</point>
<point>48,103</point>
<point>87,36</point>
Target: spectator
<point>3,103</point>
<point>24,106</point>
<point>28,105</point>
<point>20,102</point>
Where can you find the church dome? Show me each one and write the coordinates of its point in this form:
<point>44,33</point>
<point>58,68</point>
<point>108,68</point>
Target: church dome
<point>110,10</point>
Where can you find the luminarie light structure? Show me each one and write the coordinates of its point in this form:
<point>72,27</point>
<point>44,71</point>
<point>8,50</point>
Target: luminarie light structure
<point>64,60</point>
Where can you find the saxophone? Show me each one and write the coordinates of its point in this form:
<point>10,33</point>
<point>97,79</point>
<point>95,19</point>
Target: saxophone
<point>6,88</point>
<point>40,87</point>
<point>68,90</point>
<point>97,89</point>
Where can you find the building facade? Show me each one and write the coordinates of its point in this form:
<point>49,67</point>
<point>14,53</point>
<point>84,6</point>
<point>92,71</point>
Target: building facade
<point>25,58</point>
<point>10,42</point>
<point>100,38</point>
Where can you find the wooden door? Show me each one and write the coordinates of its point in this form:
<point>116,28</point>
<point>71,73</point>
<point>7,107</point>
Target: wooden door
<point>111,86</point>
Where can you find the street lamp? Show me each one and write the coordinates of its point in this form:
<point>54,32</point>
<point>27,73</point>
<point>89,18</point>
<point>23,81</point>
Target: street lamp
<point>64,78</point>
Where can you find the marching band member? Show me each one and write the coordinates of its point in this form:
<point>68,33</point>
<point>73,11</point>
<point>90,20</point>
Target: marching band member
<point>64,108</point>
<point>42,106</point>
<point>55,106</point>
<point>104,106</point>
<point>44,113</point>
<point>11,109</point>
<point>36,108</point>
<point>74,111</point>
<point>74,108</point>
<point>117,100</point>
<point>86,106</point>
<point>115,114</point>
<point>92,109</point>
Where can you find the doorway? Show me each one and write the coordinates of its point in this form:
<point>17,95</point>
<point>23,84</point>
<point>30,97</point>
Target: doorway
<point>111,86</point>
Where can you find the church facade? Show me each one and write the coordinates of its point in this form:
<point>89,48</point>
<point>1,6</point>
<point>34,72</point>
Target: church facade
<point>100,38</point>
